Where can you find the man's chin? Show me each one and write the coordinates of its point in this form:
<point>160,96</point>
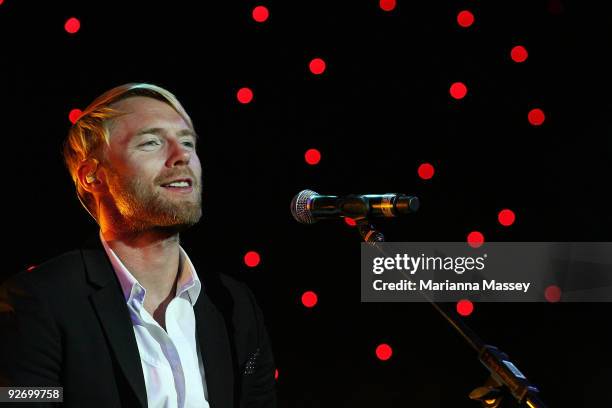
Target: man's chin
<point>171,228</point>
<point>168,222</point>
<point>184,222</point>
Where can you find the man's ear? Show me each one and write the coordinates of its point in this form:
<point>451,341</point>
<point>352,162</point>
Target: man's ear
<point>87,174</point>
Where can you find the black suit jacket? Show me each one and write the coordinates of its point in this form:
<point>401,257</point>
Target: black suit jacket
<point>66,323</point>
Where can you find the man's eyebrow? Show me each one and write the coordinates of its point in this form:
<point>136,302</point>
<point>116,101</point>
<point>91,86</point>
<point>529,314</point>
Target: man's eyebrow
<point>160,131</point>
<point>188,132</point>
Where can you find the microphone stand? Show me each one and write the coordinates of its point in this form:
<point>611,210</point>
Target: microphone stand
<point>504,376</point>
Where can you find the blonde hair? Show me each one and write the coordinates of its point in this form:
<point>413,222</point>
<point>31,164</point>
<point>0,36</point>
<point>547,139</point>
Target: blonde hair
<point>91,131</point>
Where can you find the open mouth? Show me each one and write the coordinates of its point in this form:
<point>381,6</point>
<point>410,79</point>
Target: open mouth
<point>179,186</point>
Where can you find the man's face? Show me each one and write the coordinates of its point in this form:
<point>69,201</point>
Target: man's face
<point>150,147</point>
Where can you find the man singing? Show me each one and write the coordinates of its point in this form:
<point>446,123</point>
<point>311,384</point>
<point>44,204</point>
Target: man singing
<point>125,321</point>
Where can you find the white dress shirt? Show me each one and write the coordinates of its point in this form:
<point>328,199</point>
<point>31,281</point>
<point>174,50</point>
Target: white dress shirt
<point>171,359</point>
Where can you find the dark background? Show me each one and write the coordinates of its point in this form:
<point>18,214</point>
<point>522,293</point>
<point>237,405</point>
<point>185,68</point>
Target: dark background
<point>380,109</point>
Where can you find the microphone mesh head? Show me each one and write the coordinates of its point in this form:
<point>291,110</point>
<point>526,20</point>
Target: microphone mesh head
<point>299,207</point>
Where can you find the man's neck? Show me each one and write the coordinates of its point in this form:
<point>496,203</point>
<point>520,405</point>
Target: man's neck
<point>152,257</point>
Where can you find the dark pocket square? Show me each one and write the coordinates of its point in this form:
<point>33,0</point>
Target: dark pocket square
<point>251,363</point>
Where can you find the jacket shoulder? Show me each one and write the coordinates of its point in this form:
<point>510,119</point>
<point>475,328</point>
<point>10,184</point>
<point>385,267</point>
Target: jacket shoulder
<point>238,292</point>
<point>232,297</point>
<point>51,274</point>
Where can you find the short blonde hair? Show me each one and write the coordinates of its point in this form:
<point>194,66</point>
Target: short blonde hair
<point>91,131</point>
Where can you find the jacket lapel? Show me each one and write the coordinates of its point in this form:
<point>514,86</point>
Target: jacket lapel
<point>109,303</point>
<point>216,352</point>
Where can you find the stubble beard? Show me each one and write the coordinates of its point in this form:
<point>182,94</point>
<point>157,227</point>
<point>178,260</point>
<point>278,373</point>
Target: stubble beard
<point>142,206</point>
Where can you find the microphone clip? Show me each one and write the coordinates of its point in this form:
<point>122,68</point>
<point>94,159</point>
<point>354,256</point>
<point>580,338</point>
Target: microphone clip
<point>367,231</point>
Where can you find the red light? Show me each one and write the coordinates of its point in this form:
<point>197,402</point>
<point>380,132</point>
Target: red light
<point>518,54</point>
<point>506,217</point>
<point>465,307</point>
<point>74,115</point>
<point>350,222</point>
<point>426,171</point>
<point>555,6</point>
<point>465,18</point>
<point>317,66</point>
<point>387,5</point>
<point>31,268</point>
<point>252,259</point>
<point>1,1</point>
<point>245,95</point>
<point>260,14</point>
<point>552,293</point>
<point>309,299</point>
<point>475,239</point>
<point>536,117</point>
<point>312,156</point>
<point>276,374</point>
<point>72,25</point>
<point>384,352</point>
<point>458,90</point>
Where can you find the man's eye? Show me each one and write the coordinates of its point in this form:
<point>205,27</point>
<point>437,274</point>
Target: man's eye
<point>190,144</point>
<point>150,143</point>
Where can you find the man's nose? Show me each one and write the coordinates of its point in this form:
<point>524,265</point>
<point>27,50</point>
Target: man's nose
<point>178,154</point>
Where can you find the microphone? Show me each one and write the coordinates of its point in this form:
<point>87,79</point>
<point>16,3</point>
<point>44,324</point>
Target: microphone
<point>308,207</point>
